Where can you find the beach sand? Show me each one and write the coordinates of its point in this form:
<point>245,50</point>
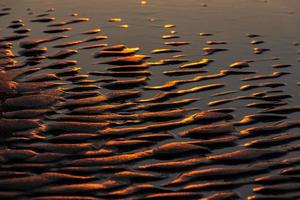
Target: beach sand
<point>131,99</point>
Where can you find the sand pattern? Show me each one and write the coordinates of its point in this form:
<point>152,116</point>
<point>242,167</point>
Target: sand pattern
<point>112,133</point>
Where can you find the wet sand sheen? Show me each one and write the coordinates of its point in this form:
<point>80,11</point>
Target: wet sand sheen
<point>116,104</point>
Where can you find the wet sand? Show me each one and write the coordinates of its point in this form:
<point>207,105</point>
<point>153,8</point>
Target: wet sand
<point>149,99</point>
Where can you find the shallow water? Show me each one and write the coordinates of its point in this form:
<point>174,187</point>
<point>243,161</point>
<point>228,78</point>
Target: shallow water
<point>136,24</point>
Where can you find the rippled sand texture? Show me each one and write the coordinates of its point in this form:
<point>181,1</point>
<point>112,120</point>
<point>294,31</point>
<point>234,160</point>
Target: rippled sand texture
<point>149,99</point>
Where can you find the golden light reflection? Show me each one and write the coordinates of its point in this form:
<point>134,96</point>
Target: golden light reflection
<point>124,25</point>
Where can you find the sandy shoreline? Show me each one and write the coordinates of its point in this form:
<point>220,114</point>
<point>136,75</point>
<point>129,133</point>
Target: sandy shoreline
<point>149,100</point>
